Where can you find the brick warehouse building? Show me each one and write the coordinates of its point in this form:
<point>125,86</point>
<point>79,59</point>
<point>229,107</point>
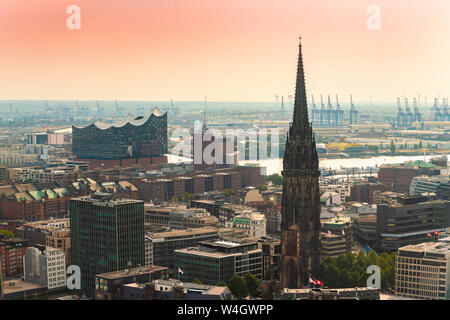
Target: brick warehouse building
<point>165,188</point>
<point>40,201</point>
<point>397,178</point>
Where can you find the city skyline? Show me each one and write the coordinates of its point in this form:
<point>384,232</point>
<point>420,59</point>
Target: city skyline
<point>229,51</point>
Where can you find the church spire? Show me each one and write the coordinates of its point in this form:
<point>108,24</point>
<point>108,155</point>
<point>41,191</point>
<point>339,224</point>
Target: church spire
<point>300,105</point>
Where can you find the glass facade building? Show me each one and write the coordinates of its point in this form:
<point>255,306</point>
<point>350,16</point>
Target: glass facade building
<point>131,137</point>
<point>107,235</point>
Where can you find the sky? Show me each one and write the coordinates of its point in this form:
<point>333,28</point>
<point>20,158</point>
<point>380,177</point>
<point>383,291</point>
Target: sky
<point>233,50</point>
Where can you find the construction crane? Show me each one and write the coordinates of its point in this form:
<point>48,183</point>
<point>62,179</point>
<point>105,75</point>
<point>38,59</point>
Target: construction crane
<point>78,107</point>
<point>339,113</point>
<point>445,115</point>
<point>400,114</point>
<point>409,115</point>
<point>417,117</point>
<point>322,111</point>
<point>315,112</point>
<point>330,111</point>
<point>353,112</point>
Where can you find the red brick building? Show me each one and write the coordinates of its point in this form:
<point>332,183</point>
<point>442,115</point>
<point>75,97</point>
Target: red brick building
<point>12,252</point>
<point>397,178</point>
<point>364,192</point>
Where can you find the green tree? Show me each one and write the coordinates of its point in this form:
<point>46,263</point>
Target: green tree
<point>333,276</point>
<point>392,147</point>
<point>228,192</point>
<point>252,284</point>
<point>238,286</point>
<point>372,257</point>
<point>221,284</point>
<point>7,234</point>
<point>197,281</point>
<point>276,179</point>
<point>185,197</point>
<point>262,187</point>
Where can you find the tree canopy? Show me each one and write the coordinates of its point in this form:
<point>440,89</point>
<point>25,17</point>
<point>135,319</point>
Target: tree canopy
<point>349,270</point>
<point>276,179</point>
<point>252,283</point>
<point>238,286</point>
<point>7,234</point>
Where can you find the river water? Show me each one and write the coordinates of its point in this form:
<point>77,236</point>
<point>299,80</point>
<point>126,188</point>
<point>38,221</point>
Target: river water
<point>276,165</point>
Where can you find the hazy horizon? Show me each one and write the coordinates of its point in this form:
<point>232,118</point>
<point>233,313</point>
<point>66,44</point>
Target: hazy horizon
<point>228,50</point>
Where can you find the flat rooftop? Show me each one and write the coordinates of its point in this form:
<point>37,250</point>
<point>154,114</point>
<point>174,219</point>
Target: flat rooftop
<point>106,198</point>
<point>14,286</point>
<point>441,247</point>
<point>131,272</point>
<point>183,233</point>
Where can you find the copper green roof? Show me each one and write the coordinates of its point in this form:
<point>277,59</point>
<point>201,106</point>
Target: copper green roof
<point>61,192</point>
<point>37,194</point>
<point>420,164</point>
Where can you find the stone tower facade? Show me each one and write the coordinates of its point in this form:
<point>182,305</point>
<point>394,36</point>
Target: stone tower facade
<point>300,225</point>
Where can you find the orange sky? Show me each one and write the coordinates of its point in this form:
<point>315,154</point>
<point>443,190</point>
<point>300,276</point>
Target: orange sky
<point>234,50</point>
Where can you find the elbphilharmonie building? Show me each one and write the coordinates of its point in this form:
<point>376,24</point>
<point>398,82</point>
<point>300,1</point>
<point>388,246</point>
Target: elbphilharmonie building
<point>131,137</point>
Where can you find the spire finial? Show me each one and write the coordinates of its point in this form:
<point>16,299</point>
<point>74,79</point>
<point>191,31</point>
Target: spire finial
<point>299,41</point>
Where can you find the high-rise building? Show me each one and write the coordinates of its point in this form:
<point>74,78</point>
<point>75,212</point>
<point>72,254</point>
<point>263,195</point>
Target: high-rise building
<point>301,199</point>
<point>106,234</point>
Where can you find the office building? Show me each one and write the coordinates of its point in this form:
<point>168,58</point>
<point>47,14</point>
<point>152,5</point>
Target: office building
<point>409,219</point>
<point>215,261</point>
<point>365,229</point>
<point>336,237</point>
<point>253,223</point>
<point>107,234</point>
<point>109,285</point>
<point>160,246</point>
<point>423,270</point>
<point>46,267</point>
<point>54,233</point>
<point>428,185</point>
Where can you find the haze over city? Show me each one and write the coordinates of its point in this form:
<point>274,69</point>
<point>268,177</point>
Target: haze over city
<point>235,50</point>
<point>224,151</point>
